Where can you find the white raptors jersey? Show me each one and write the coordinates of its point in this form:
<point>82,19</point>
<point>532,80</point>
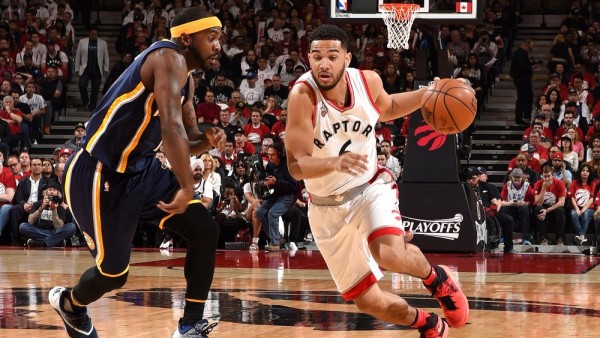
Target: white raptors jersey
<point>341,129</point>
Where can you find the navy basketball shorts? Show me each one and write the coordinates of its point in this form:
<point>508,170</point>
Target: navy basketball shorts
<point>108,206</point>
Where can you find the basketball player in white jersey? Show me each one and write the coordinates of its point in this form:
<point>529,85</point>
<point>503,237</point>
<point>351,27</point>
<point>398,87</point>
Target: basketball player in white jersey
<point>353,212</point>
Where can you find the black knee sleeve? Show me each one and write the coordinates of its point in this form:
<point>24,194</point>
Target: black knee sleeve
<point>196,226</point>
<point>201,233</point>
<point>93,285</point>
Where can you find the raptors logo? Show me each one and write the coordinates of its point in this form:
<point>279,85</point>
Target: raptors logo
<point>427,137</point>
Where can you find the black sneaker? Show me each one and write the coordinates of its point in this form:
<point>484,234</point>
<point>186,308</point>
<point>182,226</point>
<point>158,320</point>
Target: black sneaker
<point>200,330</point>
<point>77,325</point>
<point>36,243</point>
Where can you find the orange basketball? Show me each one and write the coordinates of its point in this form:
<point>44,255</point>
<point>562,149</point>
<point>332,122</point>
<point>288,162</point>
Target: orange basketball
<point>449,106</point>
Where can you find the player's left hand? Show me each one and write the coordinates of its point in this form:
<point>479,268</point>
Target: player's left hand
<point>216,137</point>
<point>179,203</point>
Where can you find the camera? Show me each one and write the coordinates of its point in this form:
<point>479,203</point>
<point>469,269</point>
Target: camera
<point>258,174</point>
<point>54,199</point>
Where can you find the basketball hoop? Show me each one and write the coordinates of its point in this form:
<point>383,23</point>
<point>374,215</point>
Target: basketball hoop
<point>399,19</point>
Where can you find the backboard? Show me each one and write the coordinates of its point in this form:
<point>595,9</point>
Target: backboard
<point>431,11</point>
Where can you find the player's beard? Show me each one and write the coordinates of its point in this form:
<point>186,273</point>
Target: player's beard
<point>336,79</point>
<point>204,62</point>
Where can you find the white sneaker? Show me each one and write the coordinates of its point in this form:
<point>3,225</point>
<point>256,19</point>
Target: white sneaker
<point>577,240</point>
<point>292,246</point>
<point>583,239</point>
<point>166,244</point>
<point>253,246</point>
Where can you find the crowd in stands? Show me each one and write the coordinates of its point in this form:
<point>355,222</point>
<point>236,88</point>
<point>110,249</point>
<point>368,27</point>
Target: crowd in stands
<point>264,51</point>
<point>551,184</point>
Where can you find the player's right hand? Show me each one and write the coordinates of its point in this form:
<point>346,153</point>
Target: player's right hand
<point>216,137</point>
<point>351,163</point>
<point>179,203</point>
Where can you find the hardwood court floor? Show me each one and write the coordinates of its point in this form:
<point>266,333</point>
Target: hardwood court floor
<point>277,295</point>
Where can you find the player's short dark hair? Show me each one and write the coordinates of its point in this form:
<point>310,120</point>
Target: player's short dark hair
<point>189,14</point>
<point>329,32</point>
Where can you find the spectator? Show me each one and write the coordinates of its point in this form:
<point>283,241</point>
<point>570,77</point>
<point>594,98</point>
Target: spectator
<point>458,50</point>
<point>221,91</point>
<point>550,196</point>
<point>91,63</point>
<point>277,90</point>
<point>521,71</point>
<point>270,112</point>
<point>251,195</point>
<point>594,142</point>
<point>228,157</point>
<point>30,190</point>
<point>117,70</point>
<point>75,143</point>
<point>8,186</point>
<point>570,156</point>
<point>229,208</point>
<point>522,161</point>
<point>584,95</point>
<point>15,168</point>
<point>256,131</point>
<point>517,197</point>
<point>63,155</point>
<point>27,51</point>
<point>392,163</point>
<point>12,118</point>
<point>578,147</point>
<point>48,169</point>
<point>286,73</point>
<point>554,83</point>
<point>25,163</point>
<point>594,162</point>
<point>592,130</point>
<point>52,91</point>
<point>492,202</point>
<point>568,120</point>
<point>37,105</point>
<point>278,129</point>
<point>203,190</point>
<point>581,193</point>
<point>211,175</point>
<point>581,113</point>
<point>547,136</point>
<point>382,132</point>
<point>208,111</point>
<point>560,169</point>
<point>250,90</point>
<point>225,121</point>
<point>45,226</point>
<point>29,69</point>
<point>284,190</point>
<point>237,117</point>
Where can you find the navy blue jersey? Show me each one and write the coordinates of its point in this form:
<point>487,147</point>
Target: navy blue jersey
<point>124,130</point>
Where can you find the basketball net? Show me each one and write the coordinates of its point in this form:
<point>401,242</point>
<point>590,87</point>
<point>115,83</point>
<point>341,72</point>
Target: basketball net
<point>399,19</point>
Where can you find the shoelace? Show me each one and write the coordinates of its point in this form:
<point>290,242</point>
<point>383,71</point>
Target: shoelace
<point>209,328</point>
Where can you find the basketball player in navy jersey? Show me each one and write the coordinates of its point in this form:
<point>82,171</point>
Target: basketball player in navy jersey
<point>114,181</point>
<point>353,213</point>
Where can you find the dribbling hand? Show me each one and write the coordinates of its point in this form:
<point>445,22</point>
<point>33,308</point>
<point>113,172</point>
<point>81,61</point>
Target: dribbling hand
<point>179,203</point>
<point>216,137</point>
<point>351,163</point>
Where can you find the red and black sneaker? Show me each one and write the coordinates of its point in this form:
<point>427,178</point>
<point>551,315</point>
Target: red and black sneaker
<point>436,327</point>
<point>453,301</point>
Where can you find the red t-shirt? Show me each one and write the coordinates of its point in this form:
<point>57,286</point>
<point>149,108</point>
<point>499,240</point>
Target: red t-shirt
<point>246,148</point>
<point>15,128</point>
<point>7,180</point>
<point>209,111</point>
<point>278,130</point>
<point>555,191</point>
<point>532,163</point>
<point>255,135</point>
<point>581,193</point>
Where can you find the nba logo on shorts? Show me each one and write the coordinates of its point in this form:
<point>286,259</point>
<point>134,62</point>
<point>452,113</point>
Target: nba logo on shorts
<point>342,5</point>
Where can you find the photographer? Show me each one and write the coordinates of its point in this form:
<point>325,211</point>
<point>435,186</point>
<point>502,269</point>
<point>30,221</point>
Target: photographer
<point>283,189</point>
<point>45,225</point>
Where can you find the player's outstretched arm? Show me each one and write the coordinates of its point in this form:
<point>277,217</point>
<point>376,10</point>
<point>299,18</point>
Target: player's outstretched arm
<point>167,72</point>
<point>299,141</point>
<point>395,105</point>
